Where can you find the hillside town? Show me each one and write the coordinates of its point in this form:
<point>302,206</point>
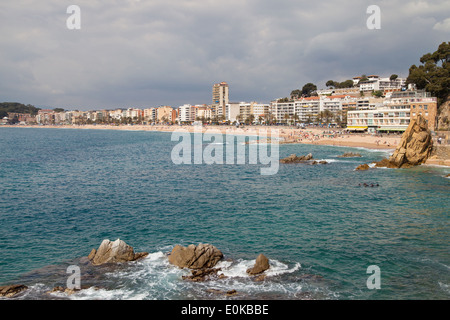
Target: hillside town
<point>372,104</point>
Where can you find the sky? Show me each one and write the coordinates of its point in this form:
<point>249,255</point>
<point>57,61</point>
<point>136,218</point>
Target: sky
<point>142,54</point>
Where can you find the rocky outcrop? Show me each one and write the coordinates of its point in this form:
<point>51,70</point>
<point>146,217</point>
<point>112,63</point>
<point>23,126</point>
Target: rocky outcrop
<point>12,291</point>
<point>203,256</point>
<point>294,159</point>
<point>261,265</point>
<point>199,275</point>
<point>444,116</point>
<point>415,147</point>
<point>350,155</point>
<point>114,252</point>
<point>362,167</point>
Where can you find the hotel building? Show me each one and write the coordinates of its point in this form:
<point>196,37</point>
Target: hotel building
<point>220,98</point>
<point>395,114</point>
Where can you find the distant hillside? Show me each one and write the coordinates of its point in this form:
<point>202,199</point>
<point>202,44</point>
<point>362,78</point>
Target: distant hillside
<point>16,107</point>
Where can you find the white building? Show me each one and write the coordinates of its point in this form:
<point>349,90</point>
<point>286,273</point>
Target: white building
<point>307,109</point>
<point>283,111</point>
<point>384,119</point>
<point>116,114</point>
<point>232,111</point>
<point>186,113</point>
<point>375,83</point>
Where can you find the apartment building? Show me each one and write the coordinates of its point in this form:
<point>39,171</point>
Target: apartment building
<point>186,113</point>
<point>220,98</point>
<point>164,114</point>
<point>375,83</point>
<point>395,114</point>
<point>307,109</point>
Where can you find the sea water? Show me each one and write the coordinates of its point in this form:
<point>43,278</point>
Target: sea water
<point>63,191</point>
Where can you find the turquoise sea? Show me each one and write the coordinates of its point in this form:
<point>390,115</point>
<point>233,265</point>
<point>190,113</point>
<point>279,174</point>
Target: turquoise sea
<point>62,191</point>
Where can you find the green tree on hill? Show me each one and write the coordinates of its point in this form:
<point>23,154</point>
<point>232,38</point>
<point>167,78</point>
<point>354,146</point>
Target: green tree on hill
<point>434,73</point>
<point>16,107</point>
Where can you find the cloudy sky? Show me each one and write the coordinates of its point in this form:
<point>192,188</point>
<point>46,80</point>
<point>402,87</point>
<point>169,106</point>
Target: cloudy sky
<point>131,53</point>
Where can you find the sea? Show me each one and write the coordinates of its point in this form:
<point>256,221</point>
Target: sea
<point>330,232</point>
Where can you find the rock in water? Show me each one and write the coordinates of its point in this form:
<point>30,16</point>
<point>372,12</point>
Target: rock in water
<point>261,265</point>
<point>195,257</point>
<point>350,155</point>
<point>294,159</point>
<point>12,290</point>
<point>363,167</point>
<point>414,148</point>
<point>113,252</point>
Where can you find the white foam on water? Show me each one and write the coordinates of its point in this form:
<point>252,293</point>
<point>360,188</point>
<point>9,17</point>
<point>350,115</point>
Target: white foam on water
<point>103,294</point>
<point>154,278</point>
<point>239,269</point>
<point>444,287</point>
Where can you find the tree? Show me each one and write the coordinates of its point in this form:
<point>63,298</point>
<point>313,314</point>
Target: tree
<point>363,78</point>
<point>434,73</point>
<point>319,117</point>
<point>15,107</point>
<point>393,77</point>
<point>327,115</point>
<point>377,94</point>
<point>296,93</point>
<point>340,85</point>
<point>346,84</point>
<point>331,83</point>
<point>308,89</point>
<point>59,110</point>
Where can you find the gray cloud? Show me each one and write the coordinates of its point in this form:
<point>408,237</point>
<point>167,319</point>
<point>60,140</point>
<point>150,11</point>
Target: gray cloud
<point>150,53</point>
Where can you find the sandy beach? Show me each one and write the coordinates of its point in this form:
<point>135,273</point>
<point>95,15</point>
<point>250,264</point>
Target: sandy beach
<point>316,136</point>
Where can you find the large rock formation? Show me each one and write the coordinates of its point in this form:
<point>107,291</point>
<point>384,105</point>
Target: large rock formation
<point>114,252</point>
<point>414,149</point>
<point>12,290</point>
<point>261,265</point>
<point>444,116</point>
<point>294,159</point>
<point>416,145</point>
<point>195,257</point>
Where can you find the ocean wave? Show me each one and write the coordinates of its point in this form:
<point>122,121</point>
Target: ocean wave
<point>444,287</point>
<point>239,269</point>
<point>154,278</point>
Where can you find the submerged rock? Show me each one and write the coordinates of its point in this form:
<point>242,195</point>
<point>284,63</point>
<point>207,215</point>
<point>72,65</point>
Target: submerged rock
<point>114,252</point>
<point>261,265</point>
<point>350,155</point>
<point>293,158</point>
<point>363,167</point>
<point>12,290</point>
<point>195,257</point>
<point>385,163</point>
<point>199,275</point>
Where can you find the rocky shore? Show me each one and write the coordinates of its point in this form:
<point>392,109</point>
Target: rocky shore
<point>201,260</point>
<point>414,149</point>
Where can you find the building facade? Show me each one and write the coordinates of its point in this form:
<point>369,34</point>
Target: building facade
<point>220,98</point>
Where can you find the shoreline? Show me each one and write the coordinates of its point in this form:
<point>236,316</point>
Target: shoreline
<point>287,135</point>
<point>312,136</point>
